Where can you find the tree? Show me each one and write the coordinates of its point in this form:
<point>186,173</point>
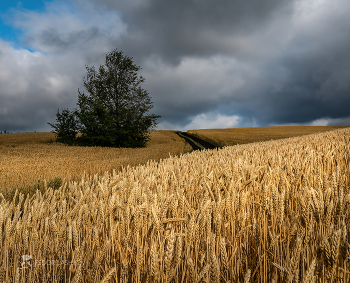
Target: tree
<point>66,127</point>
<point>113,111</point>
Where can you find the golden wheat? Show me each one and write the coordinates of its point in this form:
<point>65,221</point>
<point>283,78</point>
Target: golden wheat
<point>233,136</point>
<point>275,211</point>
<point>28,159</point>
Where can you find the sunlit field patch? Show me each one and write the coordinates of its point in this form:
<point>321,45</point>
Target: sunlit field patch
<point>27,159</point>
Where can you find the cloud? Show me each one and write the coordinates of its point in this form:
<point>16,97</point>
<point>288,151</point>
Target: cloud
<point>177,29</point>
<point>290,57</point>
<point>195,85</point>
<point>331,122</point>
<point>308,80</point>
<point>65,28</point>
<point>205,62</point>
<point>33,87</point>
<point>211,120</point>
<point>205,121</point>
<point>35,84</point>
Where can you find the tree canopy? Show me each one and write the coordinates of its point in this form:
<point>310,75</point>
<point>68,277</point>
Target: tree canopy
<point>113,110</point>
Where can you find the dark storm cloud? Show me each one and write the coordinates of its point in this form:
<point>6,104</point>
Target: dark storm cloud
<point>297,48</point>
<point>51,37</point>
<point>310,79</point>
<point>32,88</point>
<point>174,29</point>
<point>206,63</point>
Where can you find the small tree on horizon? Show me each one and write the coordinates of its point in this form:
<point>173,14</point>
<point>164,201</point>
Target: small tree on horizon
<point>66,127</point>
<point>113,111</point>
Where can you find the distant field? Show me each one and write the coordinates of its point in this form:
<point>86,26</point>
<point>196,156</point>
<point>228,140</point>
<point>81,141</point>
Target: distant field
<point>26,158</point>
<point>233,136</point>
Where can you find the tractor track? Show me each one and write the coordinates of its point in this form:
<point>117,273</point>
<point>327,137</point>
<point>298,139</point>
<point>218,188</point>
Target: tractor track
<point>195,142</point>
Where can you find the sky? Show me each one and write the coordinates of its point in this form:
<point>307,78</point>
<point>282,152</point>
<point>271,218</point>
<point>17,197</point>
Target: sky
<point>206,63</point>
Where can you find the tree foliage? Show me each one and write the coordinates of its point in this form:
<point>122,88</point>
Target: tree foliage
<point>66,127</point>
<point>113,110</point>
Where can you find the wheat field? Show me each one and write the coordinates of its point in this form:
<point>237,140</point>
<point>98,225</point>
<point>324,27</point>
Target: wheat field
<point>27,159</point>
<point>233,136</point>
<point>275,211</point>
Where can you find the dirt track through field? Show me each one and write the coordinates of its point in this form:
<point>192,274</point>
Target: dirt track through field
<point>194,141</point>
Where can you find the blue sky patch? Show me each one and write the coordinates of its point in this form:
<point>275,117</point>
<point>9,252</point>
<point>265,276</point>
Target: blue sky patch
<point>7,31</point>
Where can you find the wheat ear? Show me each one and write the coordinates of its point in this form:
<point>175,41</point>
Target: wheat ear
<point>108,275</point>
